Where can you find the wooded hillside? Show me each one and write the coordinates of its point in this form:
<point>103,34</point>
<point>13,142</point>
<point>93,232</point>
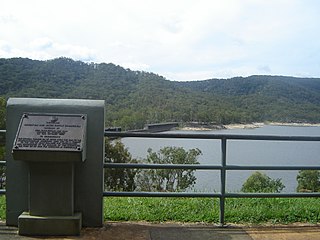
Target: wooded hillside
<point>134,98</point>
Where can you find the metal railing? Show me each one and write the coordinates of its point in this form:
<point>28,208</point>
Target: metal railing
<point>223,167</point>
<point>2,161</point>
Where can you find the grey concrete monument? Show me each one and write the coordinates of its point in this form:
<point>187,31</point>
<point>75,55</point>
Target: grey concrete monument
<point>55,151</point>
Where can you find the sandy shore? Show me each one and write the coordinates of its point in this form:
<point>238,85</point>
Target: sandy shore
<point>250,126</point>
<point>196,129</point>
<point>294,124</point>
<point>244,126</point>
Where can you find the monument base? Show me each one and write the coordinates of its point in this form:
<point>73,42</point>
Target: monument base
<point>49,225</point>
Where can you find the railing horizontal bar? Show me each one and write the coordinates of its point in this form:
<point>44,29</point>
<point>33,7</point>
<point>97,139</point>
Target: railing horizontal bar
<point>211,136</point>
<point>271,195</point>
<point>233,167</point>
<point>204,167</point>
<point>2,192</point>
<point>207,136</point>
<point>2,163</point>
<point>161,166</point>
<point>217,195</point>
<point>160,194</point>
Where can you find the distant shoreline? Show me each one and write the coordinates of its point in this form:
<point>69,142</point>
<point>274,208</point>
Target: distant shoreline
<point>247,126</point>
<point>295,124</point>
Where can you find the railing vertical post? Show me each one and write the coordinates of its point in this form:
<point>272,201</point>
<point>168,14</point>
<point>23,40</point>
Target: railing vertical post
<point>223,179</point>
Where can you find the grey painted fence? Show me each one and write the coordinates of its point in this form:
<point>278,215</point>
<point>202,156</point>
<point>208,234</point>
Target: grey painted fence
<point>223,167</point>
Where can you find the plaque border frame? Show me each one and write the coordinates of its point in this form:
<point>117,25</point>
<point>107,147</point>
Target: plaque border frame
<point>50,154</point>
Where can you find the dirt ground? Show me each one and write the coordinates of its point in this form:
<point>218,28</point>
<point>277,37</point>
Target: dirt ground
<point>180,231</point>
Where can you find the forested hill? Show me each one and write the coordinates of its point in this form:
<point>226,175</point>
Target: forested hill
<point>134,98</point>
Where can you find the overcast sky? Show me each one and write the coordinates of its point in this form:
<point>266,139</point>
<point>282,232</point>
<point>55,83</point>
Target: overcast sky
<point>178,39</point>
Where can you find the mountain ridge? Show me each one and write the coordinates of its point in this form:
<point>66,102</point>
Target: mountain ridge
<point>134,98</point>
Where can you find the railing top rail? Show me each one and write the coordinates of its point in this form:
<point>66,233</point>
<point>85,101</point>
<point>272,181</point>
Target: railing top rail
<point>207,136</point>
<point>206,166</point>
<point>208,194</point>
<point>211,136</point>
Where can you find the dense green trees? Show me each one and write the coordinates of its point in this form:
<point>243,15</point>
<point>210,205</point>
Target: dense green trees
<point>119,179</point>
<point>168,180</point>
<point>260,182</point>
<point>2,113</point>
<point>134,98</point>
<point>308,181</point>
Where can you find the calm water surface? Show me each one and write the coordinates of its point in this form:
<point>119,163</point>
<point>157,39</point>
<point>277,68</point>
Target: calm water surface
<point>273,153</point>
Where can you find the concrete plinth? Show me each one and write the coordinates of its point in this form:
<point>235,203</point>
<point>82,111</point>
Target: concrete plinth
<point>49,225</point>
<point>49,191</point>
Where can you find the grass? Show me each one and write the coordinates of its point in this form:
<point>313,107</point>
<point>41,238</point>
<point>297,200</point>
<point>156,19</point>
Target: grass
<point>270,210</point>
<point>160,209</point>
<point>2,207</point>
<point>245,211</point>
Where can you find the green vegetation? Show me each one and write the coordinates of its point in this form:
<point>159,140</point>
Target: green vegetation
<point>168,180</point>
<point>171,180</point>
<point>260,182</point>
<point>308,181</point>
<point>2,113</point>
<point>134,98</point>
<point>118,179</point>
<point>2,207</point>
<point>246,211</point>
<point>273,210</point>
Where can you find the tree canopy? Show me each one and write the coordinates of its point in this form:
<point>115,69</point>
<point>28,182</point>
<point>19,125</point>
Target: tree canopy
<point>308,181</point>
<point>118,179</point>
<point>134,98</point>
<point>260,182</point>
<point>169,180</point>
<point>2,113</point>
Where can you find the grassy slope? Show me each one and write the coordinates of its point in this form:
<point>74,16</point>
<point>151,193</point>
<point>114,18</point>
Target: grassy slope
<point>207,210</point>
<point>245,211</point>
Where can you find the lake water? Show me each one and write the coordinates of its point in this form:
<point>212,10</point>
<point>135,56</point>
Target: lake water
<point>273,153</point>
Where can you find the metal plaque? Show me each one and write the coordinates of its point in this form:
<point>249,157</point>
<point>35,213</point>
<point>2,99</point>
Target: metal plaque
<point>39,132</point>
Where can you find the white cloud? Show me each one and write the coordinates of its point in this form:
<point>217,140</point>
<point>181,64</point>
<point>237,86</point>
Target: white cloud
<point>177,39</point>
<point>189,76</point>
<point>135,66</point>
<point>45,48</point>
<point>4,47</point>
<point>224,72</point>
<point>41,43</point>
<point>74,51</point>
<point>7,19</point>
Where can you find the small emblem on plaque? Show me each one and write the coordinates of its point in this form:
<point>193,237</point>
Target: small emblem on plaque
<point>53,119</point>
